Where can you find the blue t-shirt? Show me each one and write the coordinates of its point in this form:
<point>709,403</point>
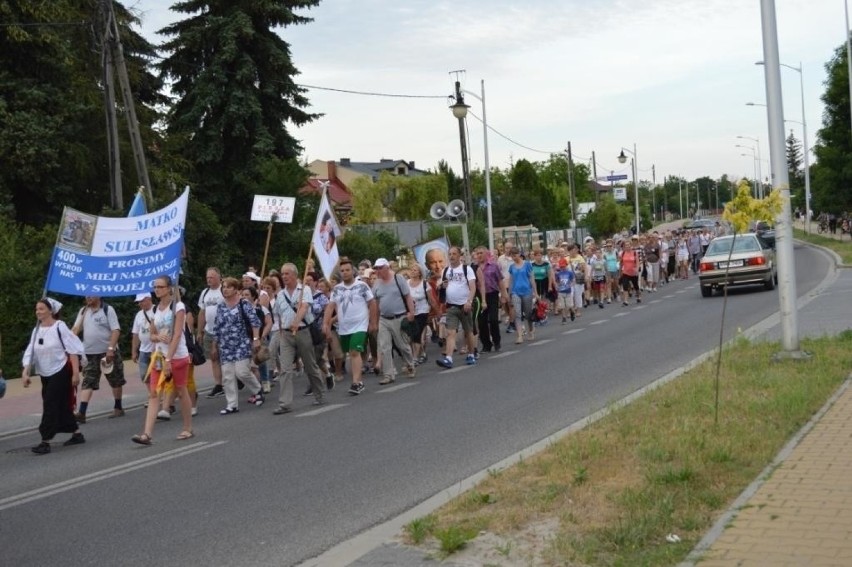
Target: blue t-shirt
<point>521,279</point>
<point>564,280</point>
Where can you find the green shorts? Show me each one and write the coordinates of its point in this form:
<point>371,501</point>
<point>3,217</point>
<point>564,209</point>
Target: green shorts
<point>356,342</point>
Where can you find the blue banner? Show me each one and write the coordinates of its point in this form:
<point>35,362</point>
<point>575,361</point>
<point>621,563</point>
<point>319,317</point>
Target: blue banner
<point>109,257</point>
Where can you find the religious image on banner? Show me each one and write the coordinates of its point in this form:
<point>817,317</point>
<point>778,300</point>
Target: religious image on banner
<point>117,256</point>
<point>326,234</point>
<point>433,255</point>
<point>77,230</point>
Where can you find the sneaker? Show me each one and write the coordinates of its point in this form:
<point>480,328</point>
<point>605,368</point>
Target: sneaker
<point>638,300</point>
<point>476,354</point>
<point>356,389</point>
<point>573,316</point>
<point>281,411</point>
<point>116,413</point>
<point>410,372</point>
<point>194,412</point>
<point>564,320</point>
<point>240,384</point>
<point>216,392</point>
<point>266,388</point>
<point>76,439</point>
<point>229,411</point>
<point>319,402</point>
<point>624,303</point>
<point>470,360</point>
<point>309,392</point>
<point>163,415</point>
<point>329,382</point>
<point>42,448</point>
<point>601,305</point>
<point>510,328</point>
<point>256,399</point>
<point>445,362</point>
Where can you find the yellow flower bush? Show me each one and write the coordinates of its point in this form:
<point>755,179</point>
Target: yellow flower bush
<point>743,208</point>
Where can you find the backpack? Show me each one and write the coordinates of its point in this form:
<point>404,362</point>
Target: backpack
<point>442,290</point>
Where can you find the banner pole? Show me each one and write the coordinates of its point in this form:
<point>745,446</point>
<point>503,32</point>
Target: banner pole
<point>52,254</point>
<point>272,220</point>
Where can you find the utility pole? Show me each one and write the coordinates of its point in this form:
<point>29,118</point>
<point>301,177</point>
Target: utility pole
<point>114,66</point>
<point>595,177</point>
<point>468,200</point>
<point>653,191</point>
<point>571,189</point>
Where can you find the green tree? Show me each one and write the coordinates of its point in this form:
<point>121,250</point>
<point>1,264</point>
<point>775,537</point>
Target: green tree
<point>415,195</point>
<point>367,200</point>
<point>52,129</point>
<point>831,175</point>
<point>608,217</point>
<point>795,173</point>
<point>232,77</point>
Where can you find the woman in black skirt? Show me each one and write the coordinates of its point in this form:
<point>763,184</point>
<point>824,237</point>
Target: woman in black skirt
<point>52,355</point>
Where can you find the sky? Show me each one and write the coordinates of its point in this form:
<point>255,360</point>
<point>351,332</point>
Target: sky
<point>671,76</point>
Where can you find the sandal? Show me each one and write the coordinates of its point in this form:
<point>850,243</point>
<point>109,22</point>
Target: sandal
<point>184,435</point>
<point>142,439</point>
<point>228,411</point>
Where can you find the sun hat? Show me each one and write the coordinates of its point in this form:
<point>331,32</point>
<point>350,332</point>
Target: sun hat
<point>106,366</point>
<point>141,297</point>
<point>381,263</point>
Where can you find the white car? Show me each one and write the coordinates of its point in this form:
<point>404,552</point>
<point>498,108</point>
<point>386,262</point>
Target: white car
<point>752,262</point>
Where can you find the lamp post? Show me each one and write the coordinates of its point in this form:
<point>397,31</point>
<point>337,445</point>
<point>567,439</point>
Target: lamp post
<point>622,159</point>
<point>463,111</point>
<point>759,194</point>
<point>805,147</point>
<point>460,111</point>
<point>755,166</point>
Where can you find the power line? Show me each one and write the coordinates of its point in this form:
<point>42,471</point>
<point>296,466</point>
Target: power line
<point>367,93</point>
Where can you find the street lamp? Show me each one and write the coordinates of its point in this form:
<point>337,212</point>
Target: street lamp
<point>462,109</point>
<point>622,159</point>
<point>805,148</point>
<point>754,165</point>
<point>759,172</point>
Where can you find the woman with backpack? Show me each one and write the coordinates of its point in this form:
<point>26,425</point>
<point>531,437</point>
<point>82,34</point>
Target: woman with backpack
<point>424,303</point>
<point>52,354</point>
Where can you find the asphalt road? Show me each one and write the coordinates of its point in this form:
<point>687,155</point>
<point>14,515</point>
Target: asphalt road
<point>257,489</point>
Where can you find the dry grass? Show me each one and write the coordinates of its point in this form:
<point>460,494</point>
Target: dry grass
<point>614,490</point>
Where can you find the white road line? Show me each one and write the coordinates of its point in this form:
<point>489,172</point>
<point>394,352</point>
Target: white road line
<point>397,387</point>
<point>75,483</point>
<point>640,307</point>
<point>503,354</point>
<point>621,314</point>
<point>541,342</point>
<point>454,369</point>
<point>669,296</point>
<point>322,409</point>
<point>681,291</point>
<point>656,301</point>
<point>572,331</point>
<point>599,322</point>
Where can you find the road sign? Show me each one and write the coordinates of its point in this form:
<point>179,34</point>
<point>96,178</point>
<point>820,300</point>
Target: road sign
<point>264,206</point>
<point>616,177</point>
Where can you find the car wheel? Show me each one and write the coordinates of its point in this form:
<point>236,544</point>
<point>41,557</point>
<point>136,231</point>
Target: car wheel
<point>706,291</point>
<point>770,283</point>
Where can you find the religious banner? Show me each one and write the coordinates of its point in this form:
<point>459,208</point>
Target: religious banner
<point>109,257</point>
<point>326,233</point>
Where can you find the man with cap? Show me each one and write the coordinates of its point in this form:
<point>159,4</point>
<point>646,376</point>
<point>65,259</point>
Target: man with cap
<point>141,345</point>
<point>99,324</point>
<point>394,298</point>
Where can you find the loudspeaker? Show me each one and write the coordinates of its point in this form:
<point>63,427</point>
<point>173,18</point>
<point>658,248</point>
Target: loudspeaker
<point>455,208</point>
<point>438,210</point>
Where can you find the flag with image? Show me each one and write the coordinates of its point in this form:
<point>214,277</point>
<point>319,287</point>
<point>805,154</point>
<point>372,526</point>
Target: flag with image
<point>326,233</point>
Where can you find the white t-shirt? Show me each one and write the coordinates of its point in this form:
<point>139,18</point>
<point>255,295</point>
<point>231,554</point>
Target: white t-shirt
<point>142,328</point>
<point>97,326</point>
<point>208,301</point>
<point>418,294</point>
<point>164,323</point>
<point>353,307</point>
<point>458,290</point>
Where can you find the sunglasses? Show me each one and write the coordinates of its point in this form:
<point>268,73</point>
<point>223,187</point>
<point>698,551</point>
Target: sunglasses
<point>161,287</point>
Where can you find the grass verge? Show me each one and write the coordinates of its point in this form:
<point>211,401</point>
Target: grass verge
<point>613,491</point>
<point>842,247</point>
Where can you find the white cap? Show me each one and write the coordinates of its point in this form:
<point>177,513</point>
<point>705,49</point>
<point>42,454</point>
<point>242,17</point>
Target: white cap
<point>106,367</point>
<point>253,276</point>
<point>381,263</point>
<point>141,296</point>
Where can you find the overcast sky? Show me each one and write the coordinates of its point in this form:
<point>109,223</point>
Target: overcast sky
<point>671,76</point>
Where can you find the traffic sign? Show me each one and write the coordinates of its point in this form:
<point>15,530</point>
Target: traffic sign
<point>616,177</point>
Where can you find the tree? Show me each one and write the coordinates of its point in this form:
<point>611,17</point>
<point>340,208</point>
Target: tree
<point>232,77</point>
<point>415,195</point>
<point>608,217</point>
<point>831,176</point>
<point>52,131</point>
<point>795,173</point>
<point>367,201</point>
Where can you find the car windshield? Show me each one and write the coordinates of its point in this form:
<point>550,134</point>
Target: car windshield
<point>723,245</point>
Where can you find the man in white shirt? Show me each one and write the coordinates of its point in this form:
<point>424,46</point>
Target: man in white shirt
<point>207,302</point>
<point>459,281</point>
<point>357,315</point>
<point>99,324</point>
<point>141,345</point>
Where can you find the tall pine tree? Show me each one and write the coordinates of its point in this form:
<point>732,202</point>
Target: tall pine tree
<point>232,76</point>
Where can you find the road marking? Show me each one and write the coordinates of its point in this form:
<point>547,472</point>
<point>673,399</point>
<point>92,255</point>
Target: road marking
<point>640,307</point>
<point>455,369</point>
<point>598,322</point>
<point>681,291</point>
<point>669,296</point>
<point>621,314</point>
<point>322,409</point>
<point>75,483</point>
<point>541,342</point>
<point>572,331</point>
<point>503,354</point>
<point>397,387</point>
<point>656,301</point>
